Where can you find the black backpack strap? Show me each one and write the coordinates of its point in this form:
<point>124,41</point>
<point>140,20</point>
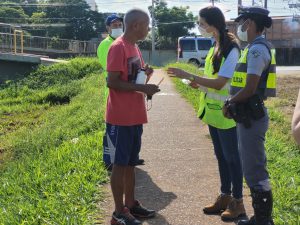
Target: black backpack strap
<point>269,46</point>
<point>263,80</point>
<point>231,46</point>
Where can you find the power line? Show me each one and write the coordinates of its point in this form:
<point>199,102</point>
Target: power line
<point>49,18</point>
<point>40,4</point>
<point>175,22</point>
<point>41,25</point>
<point>69,4</point>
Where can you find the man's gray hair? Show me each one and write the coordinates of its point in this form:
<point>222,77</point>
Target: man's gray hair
<point>134,15</point>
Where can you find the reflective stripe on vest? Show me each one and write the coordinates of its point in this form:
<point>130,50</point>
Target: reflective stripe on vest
<point>211,103</point>
<point>266,88</point>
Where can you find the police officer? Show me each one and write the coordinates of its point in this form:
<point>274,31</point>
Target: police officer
<point>253,82</point>
<point>114,27</point>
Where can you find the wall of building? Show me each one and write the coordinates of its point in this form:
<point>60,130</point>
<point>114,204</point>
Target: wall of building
<point>284,33</point>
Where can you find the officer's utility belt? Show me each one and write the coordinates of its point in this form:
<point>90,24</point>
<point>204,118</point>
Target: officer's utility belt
<point>243,113</point>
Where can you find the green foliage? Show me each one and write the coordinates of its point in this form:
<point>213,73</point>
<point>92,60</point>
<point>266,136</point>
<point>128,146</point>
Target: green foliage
<point>282,152</point>
<point>55,163</point>
<point>178,23</point>
<point>61,73</point>
<point>283,163</point>
<point>83,24</point>
<point>12,12</point>
<point>79,21</point>
<point>192,95</point>
<point>56,84</point>
<point>175,14</point>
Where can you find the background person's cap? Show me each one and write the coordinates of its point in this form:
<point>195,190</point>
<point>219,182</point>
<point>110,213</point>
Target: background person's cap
<point>112,18</point>
<point>247,11</point>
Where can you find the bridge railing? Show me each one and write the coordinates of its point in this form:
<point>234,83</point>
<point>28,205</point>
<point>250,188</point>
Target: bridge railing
<point>44,44</point>
<point>6,42</point>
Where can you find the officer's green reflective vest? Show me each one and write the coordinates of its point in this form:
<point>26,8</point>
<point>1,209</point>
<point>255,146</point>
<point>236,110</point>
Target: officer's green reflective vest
<point>267,85</point>
<point>211,103</point>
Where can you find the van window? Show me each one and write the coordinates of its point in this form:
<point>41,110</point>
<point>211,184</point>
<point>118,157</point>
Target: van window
<point>204,44</point>
<point>188,45</point>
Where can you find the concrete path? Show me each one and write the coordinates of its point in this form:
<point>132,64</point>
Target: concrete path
<point>180,176</point>
<point>288,70</point>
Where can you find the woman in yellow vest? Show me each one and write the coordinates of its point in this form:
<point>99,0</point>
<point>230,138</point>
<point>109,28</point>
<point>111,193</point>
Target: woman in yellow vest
<point>254,80</point>
<point>219,68</point>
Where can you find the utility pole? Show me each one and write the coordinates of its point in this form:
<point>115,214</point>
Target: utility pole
<point>213,2</point>
<point>153,32</point>
<point>253,2</point>
<point>266,4</point>
<point>239,6</point>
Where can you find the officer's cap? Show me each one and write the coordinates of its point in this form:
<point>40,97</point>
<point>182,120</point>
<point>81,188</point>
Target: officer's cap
<point>112,18</point>
<point>249,11</point>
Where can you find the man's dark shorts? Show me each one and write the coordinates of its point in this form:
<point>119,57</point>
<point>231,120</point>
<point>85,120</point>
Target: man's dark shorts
<point>122,144</point>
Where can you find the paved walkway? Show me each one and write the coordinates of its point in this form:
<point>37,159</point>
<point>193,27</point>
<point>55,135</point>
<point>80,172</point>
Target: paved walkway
<point>180,175</point>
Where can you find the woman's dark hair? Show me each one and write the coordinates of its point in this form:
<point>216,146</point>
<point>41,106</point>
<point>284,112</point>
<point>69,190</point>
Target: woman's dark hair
<point>261,22</point>
<point>214,17</point>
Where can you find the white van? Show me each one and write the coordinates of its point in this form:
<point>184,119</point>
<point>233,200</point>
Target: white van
<point>194,49</point>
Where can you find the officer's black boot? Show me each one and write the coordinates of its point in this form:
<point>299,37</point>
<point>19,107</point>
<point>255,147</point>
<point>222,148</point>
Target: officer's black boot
<point>262,202</point>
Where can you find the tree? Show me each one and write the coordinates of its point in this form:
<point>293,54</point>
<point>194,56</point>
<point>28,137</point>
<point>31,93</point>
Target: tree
<point>72,19</point>
<point>171,24</point>
<point>80,22</point>
<point>12,12</point>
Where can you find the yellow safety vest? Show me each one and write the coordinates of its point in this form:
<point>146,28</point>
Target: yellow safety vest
<point>211,103</point>
<point>102,53</point>
<point>267,84</point>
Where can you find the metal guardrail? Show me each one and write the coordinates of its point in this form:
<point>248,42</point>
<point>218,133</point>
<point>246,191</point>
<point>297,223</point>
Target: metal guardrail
<point>21,41</point>
<point>14,42</point>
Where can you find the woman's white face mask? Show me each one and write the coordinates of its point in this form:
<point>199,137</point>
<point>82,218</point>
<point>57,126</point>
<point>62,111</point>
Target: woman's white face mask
<point>204,33</point>
<point>116,32</point>
<point>242,35</point>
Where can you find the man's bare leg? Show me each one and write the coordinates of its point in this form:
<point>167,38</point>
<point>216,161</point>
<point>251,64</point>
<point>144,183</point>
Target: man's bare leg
<point>129,186</point>
<point>117,186</point>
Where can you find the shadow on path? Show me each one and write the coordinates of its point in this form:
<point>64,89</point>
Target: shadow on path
<point>152,197</point>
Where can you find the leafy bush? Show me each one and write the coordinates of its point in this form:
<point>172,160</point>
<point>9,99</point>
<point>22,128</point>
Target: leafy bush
<point>61,73</point>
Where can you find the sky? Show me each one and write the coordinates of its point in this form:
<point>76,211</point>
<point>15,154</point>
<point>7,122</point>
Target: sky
<point>229,7</point>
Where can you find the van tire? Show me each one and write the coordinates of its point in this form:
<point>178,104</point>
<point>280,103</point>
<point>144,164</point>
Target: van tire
<point>194,62</point>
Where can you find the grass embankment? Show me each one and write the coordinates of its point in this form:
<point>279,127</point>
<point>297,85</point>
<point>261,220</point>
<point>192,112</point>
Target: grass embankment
<point>51,134</point>
<point>283,154</point>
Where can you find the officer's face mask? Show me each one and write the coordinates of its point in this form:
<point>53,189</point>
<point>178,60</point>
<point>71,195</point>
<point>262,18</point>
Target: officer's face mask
<point>242,32</point>
<point>116,32</point>
<point>204,33</point>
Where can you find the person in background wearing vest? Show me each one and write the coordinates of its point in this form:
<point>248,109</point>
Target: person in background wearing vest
<point>296,121</point>
<point>219,68</point>
<point>254,80</point>
<point>114,26</point>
